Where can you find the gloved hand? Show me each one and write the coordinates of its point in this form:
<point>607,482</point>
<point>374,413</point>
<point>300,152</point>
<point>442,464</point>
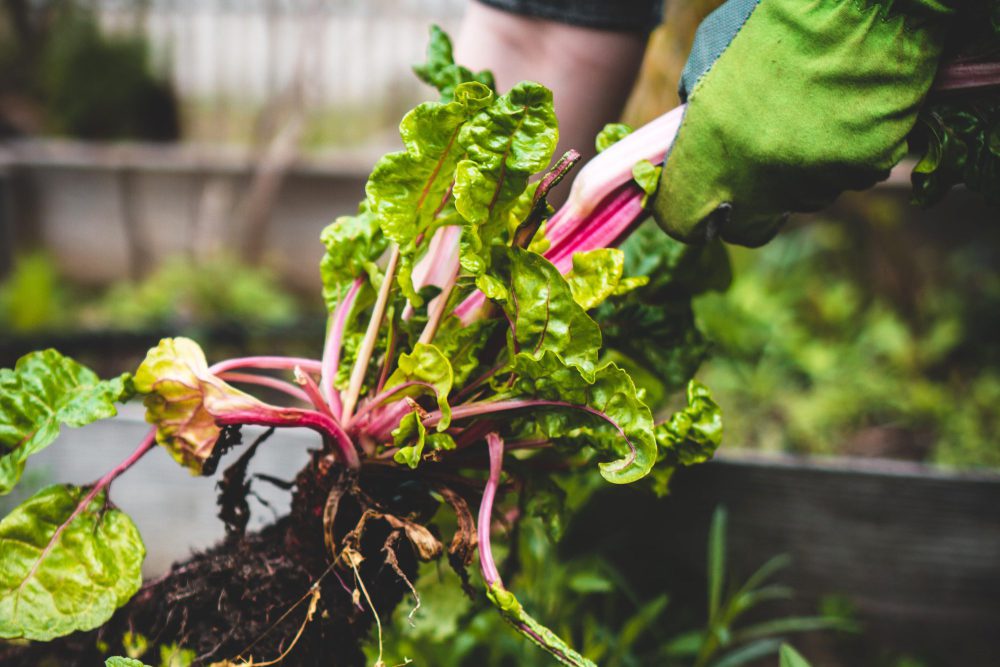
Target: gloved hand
<point>790,102</point>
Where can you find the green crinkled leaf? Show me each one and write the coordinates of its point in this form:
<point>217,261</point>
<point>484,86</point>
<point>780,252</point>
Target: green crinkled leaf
<point>461,344</point>
<point>540,242</point>
<point>46,389</point>
<point>661,339</point>
<point>410,428</point>
<point>505,144</point>
<point>546,501</point>
<point>406,189</point>
<point>135,644</point>
<point>353,244</point>
<point>653,324</point>
<point>612,133</point>
<point>426,364</point>
<point>647,175</point>
<point>674,269</point>
<point>610,393</point>
<point>597,274</point>
<point>124,662</point>
<point>544,313</point>
<point>53,585</point>
<point>693,434</point>
<point>441,71</point>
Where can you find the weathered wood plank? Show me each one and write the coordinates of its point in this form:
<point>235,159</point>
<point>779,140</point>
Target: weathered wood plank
<point>915,549</point>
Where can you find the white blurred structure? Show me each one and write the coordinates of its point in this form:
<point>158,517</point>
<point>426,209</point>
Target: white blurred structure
<point>229,58</point>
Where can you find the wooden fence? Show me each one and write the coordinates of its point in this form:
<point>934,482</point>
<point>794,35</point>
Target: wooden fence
<point>230,59</point>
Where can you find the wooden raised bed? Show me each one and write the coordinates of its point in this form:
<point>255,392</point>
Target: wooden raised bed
<point>916,550</point>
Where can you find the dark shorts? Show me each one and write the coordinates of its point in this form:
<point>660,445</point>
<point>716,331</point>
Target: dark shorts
<point>630,15</point>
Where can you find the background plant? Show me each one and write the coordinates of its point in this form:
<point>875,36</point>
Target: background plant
<point>857,336</point>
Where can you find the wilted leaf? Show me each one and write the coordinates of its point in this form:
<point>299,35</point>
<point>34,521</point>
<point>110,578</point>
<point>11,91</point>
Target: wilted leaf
<point>183,399</point>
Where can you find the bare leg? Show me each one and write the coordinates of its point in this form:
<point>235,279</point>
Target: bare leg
<point>590,71</point>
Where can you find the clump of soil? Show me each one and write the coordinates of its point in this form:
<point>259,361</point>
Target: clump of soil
<point>250,595</point>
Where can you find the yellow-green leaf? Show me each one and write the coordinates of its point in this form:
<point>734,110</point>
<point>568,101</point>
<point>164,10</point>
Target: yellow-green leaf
<point>59,576</point>
<point>43,390</point>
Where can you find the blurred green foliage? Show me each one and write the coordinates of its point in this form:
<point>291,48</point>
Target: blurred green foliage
<point>62,73</point>
<point>32,297</point>
<point>861,338</point>
<point>99,86</point>
<point>179,294</point>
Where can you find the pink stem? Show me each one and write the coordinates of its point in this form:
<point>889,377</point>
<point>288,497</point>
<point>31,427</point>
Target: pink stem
<point>967,76</point>
<point>486,563</point>
<point>381,426</point>
<point>266,381</point>
<point>334,341</point>
<point>383,396</point>
<point>296,417</point>
<point>312,391</point>
<point>147,444</point>
<point>286,363</point>
<point>603,228</point>
<point>613,167</point>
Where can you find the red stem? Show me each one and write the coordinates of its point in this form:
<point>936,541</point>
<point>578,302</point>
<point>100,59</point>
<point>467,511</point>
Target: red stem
<point>334,341</point>
<point>266,381</point>
<point>967,76</point>
<point>147,444</point>
<point>312,391</point>
<point>295,417</point>
<point>285,363</point>
<point>486,563</point>
<point>387,394</point>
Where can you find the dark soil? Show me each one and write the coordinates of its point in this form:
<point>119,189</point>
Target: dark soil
<point>250,595</point>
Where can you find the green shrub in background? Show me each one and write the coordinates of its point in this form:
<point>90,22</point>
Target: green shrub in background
<point>61,73</point>
<point>179,294</point>
<point>182,293</point>
<point>98,86</point>
<point>32,297</point>
<point>851,338</point>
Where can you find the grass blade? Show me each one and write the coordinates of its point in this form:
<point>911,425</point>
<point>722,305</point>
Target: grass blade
<point>791,658</point>
<point>716,560</point>
<point>749,653</point>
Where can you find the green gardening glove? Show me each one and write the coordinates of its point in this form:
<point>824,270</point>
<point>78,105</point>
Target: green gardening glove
<point>791,102</point>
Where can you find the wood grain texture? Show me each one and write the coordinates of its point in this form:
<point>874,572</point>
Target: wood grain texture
<point>916,550</point>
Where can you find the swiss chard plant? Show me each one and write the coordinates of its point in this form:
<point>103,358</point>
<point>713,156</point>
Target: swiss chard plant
<point>477,341</point>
